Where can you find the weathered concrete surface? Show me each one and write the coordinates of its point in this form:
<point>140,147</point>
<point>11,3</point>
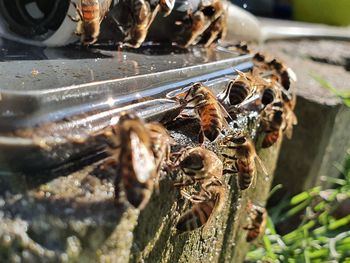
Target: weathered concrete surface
<point>68,216</point>
<point>322,135</point>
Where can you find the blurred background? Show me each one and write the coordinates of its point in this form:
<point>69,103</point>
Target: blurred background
<point>319,11</point>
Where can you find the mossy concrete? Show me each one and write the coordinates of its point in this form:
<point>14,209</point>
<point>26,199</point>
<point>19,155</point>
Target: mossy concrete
<point>71,216</point>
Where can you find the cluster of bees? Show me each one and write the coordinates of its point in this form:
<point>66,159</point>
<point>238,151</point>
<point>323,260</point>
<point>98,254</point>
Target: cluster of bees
<point>206,24</point>
<point>141,152</point>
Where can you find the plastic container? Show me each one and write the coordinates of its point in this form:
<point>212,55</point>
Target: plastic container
<point>60,98</point>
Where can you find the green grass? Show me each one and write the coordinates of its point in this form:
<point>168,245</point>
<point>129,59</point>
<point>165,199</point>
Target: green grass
<point>344,95</point>
<point>319,236</point>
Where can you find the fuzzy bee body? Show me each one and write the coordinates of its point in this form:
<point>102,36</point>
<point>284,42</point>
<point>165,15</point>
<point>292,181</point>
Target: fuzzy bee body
<point>206,25</point>
<point>201,166</point>
<point>131,145</point>
<point>283,74</point>
<point>209,202</point>
<point>198,164</point>
<point>143,15</point>
<point>90,15</point>
<point>241,159</point>
<point>256,228</point>
<point>273,122</point>
<point>209,110</point>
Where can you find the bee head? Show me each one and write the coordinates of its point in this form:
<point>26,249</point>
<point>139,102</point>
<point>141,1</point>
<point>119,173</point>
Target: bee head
<point>235,140</point>
<point>125,116</point>
<point>268,96</point>
<point>194,89</point>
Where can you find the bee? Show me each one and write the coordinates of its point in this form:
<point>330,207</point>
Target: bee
<point>131,146</point>
<point>205,205</point>
<point>166,6</point>
<point>90,15</point>
<point>198,164</point>
<point>209,110</point>
<point>143,16</point>
<point>239,89</point>
<point>242,161</point>
<point>272,123</point>
<point>283,74</point>
<point>242,93</point>
<point>258,216</point>
<point>241,48</point>
<point>202,166</point>
<point>217,30</point>
<point>209,20</point>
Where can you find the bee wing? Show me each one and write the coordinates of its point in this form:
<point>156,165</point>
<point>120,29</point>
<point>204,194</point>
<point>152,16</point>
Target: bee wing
<point>225,114</point>
<point>104,8</point>
<point>142,159</point>
<point>263,168</point>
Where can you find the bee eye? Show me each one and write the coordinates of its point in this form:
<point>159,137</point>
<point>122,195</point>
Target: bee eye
<point>193,161</point>
<point>239,140</point>
<point>268,96</point>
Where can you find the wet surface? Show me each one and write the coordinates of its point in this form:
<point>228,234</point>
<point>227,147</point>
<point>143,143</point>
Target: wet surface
<point>28,68</point>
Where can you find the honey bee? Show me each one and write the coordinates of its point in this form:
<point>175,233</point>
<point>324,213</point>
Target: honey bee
<point>131,145</point>
<point>283,74</point>
<point>198,164</point>
<point>166,6</point>
<point>272,123</point>
<point>242,92</point>
<point>217,30</point>
<point>143,16</point>
<point>90,15</point>
<point>209,20</point>
<point>258,216</point>
<point>209,202</point>
<point>209,110</point>
<point>202,166</point>
<point>242,161</point>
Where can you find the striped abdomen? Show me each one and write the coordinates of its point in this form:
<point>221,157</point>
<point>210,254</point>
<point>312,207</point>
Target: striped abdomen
<point>196,217</point>
<point>246,170</point>
<point>90,10</point>
<point>239,92</point>
<point>210,121</point>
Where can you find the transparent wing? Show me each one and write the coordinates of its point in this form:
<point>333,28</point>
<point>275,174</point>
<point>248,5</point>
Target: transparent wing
<point>142,159</point>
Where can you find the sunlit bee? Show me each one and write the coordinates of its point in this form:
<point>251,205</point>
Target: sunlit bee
<point>272,123</point>
<point>208,24</point>
<point>197,165</point>
<point>143,16</point>
<point>284,75</point>
<point>209,110</point>
<point>241,159</point>
<point>90,15</point>
<point>258,216</point>
<point>205,206</point>
<point>132,145</point>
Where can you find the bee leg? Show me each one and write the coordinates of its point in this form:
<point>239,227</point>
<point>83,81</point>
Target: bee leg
<point>110,162</point>
<point>201,137</point>
<point>193,198</point>
<point>184,183</point>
